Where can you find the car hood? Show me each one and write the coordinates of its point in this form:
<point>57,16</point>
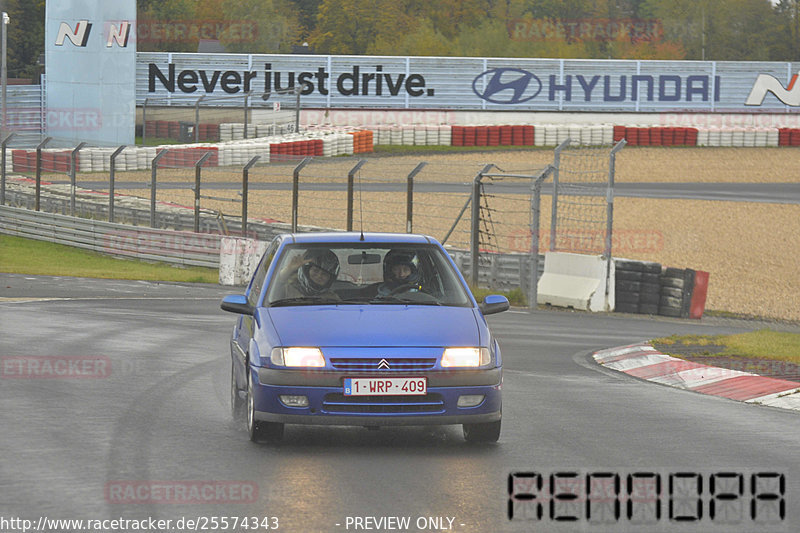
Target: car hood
<point>376,325</point>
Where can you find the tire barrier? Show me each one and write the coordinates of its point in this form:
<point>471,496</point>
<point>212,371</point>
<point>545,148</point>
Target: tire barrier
<point>504,135</point>
<point>656,136</point>
<point>789,137</point>
<point>647,288</point>
<point>636,287</point>
<point>315,142</point>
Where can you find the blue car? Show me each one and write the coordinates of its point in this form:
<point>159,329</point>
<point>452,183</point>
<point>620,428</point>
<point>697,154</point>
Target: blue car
<point>372,329</point>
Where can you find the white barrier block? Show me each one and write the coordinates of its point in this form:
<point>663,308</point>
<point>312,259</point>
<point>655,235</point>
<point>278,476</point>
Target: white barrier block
<point>238,259</point>
<point>577,281</point>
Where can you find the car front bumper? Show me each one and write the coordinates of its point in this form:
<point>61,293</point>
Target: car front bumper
<point>327,404</point>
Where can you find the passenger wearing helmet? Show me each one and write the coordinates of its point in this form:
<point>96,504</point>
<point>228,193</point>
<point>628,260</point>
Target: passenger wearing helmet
<point>311,274</point>
<point>400,273</point>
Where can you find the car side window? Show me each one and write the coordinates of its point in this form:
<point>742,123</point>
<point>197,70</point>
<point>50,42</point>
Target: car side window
<point>261,273</point>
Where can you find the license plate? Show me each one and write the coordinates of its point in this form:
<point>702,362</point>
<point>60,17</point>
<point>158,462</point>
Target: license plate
<point>385,386</point>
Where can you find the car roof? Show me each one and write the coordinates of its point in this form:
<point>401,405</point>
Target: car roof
<point>357,237</point>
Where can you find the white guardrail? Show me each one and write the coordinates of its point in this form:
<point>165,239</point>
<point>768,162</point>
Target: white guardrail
<point>176,247</point>
<point>234,257</point>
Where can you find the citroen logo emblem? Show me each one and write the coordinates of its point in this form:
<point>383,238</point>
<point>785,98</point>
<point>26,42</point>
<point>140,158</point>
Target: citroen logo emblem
<point>383,364</point>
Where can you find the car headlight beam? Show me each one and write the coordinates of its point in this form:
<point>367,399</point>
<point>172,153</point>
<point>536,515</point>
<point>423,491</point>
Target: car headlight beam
<point>300,357</point>
<point>468,357</point>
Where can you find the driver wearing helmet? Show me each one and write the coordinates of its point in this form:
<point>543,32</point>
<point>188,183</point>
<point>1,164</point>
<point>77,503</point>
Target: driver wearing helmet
<point>400,273</point>
<point>312,274</point>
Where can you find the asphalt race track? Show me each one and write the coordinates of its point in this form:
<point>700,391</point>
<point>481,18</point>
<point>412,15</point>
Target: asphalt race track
<point>152,424</point>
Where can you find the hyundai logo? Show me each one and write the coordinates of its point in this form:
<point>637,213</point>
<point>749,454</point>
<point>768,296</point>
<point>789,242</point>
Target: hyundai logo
<point>507,86</point>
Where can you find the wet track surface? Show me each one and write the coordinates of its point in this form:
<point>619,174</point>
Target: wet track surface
<point>80,447</point>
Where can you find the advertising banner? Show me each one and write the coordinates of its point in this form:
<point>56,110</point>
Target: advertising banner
<point>493,84</point>
<point>90,58</point>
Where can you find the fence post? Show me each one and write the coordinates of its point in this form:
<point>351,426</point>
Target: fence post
<point>245,179</point>
<point>554,207</point>
<point>197,173</point>
<point>153,176</point>
<point>296,190</point>
<point>112,173</point>
<point>3,171</point>
<point>298,90</point>
<point>39,171</point>
<point>144,123</point>
<point>246,99</point>
<point>351,176</point>
<point>73,168</point>
<point>197,118</point>
<point>536,196</point>
<point>410,196</point>
<point>610,209</point>
<point>475,223</point>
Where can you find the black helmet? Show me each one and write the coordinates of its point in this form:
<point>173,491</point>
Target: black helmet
<point>323,259</point>
<point>400,257</point>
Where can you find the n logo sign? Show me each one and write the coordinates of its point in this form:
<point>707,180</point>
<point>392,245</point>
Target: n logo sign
<point>769,84</point>
<point>79,37</point>
<point>119,34</point>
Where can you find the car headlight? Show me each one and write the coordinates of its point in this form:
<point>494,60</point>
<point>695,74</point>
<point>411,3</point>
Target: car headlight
<point>465,357</point>
<point>297,357</point>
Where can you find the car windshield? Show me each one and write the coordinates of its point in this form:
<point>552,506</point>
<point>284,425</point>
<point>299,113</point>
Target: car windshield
<point>359,274</point>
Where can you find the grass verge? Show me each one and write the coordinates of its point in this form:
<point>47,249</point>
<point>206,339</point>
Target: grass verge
<point>28,256</point>
<point>761,344</point>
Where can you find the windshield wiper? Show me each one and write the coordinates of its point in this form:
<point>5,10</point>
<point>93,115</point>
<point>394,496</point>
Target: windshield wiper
<point>305,300</point>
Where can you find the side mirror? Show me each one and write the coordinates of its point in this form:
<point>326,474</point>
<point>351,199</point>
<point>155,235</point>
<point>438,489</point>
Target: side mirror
<point>237,303</point>
<point>494,303</point>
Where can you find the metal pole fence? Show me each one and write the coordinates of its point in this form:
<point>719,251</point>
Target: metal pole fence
<point>554,206</point>
<point>296,191</point>
<point>153,178</point>
<point>475,223</point>
<point>112,174</point>
<point>245,192</point>
<point>536,197</point>
<point>410,196</point>
<point>3,171</point>
<point>197,176</point>
<point>610,208</point>
<point>351,176</point>
<point>73,170</point>
<point>39,147</point>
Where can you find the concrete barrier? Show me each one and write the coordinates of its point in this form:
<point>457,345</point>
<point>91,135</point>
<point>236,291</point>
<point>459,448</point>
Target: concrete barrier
<point>238,259</point>
<point>577,281</point>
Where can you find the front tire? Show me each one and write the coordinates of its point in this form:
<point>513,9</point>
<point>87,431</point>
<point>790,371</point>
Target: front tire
<point>259,431</point>
<point>486,432</point>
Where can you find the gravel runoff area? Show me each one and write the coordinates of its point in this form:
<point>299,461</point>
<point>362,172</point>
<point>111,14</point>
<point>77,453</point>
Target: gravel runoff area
<point>749,249</point>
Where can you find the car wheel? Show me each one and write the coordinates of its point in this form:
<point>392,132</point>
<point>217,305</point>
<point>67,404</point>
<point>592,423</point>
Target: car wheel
<point>258,430</point>
<point>238,405</point>
<point>487,432</point>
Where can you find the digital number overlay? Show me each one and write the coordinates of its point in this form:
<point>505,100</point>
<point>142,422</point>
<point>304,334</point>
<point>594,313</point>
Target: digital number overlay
<point>648,497</point>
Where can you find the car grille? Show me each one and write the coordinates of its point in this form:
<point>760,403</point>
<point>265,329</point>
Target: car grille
<point>369,363</point>
<point>338,403</point>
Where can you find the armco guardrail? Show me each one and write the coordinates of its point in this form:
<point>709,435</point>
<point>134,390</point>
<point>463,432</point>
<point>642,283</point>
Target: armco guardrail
<point>177,247</point>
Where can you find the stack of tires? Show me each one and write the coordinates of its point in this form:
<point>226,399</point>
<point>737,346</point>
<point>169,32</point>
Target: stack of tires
<point>637,287</point>
<point>676,292</point>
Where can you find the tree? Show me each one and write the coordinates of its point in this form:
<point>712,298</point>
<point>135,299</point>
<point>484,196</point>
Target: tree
<point>25,37</point>
<point>277,26</point>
